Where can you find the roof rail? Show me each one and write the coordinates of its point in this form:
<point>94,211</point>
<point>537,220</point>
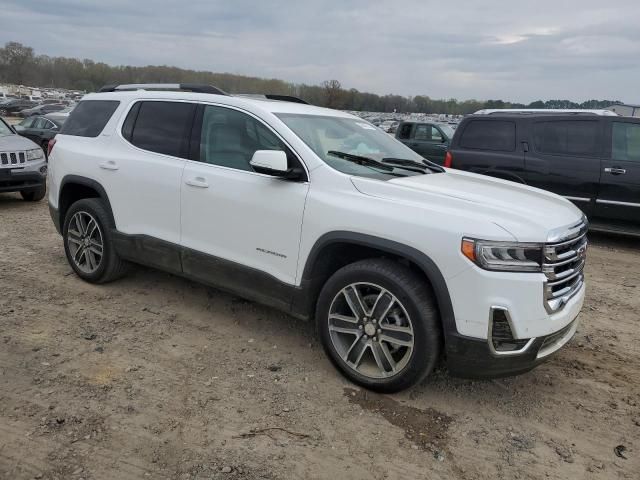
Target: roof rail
<point>189,87</point>
<point>548,111</point>
<point>270,96</point>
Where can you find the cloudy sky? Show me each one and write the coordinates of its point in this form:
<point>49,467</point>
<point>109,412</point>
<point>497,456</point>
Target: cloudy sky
<point>515,50</point>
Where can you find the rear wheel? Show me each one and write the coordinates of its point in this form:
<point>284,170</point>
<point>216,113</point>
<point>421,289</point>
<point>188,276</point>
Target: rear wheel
<point>34,195</point>
<point>379,325</point>
<point>88,242</point>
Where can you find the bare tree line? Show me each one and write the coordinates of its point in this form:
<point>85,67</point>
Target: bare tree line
<point>20,65</point>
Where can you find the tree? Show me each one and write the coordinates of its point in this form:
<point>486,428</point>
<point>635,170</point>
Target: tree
<point>332,92</point>
<point>16,60</point>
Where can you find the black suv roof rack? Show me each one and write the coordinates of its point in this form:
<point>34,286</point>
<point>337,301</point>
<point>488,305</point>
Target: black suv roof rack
<point>270,96</point>
<point>189,87</point>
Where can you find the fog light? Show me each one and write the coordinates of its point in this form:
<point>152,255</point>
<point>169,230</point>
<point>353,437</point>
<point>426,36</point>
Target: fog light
<point>501,338</point>
<point>43,170</point>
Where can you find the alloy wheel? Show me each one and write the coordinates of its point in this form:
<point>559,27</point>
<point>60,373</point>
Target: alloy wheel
<point>371,330</point>
<point>85,242</point>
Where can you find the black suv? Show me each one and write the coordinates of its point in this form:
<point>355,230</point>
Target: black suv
<point>590,158</point>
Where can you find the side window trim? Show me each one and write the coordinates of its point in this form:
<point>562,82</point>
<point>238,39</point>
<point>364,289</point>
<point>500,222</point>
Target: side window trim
<point>194,146</point>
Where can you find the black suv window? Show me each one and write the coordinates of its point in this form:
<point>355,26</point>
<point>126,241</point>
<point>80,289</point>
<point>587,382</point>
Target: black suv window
<point>161,127</point>
<point>405,131</point>
<point>493,135</point>
<point>626,141</point>
<point>89,118</point>
<point>567,137</point>
<point>229,138</point>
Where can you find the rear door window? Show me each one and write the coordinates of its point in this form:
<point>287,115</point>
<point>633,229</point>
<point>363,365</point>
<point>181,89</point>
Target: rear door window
<point>567,137</point>
<point>89,118</point>
<point>161,127</point>
<point>495,135</point>
<point>626,142</point>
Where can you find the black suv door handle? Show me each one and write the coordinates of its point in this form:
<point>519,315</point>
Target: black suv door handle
<point>615,171</point>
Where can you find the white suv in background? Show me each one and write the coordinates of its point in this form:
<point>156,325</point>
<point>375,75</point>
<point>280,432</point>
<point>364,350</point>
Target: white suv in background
<point>318,213</point>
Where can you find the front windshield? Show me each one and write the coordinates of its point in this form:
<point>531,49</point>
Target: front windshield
<point>324,134</point>
<point>4,129</point>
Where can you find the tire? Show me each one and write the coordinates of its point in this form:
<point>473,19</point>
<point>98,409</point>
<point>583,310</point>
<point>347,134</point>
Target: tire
<point>106,266</point>
<point>414,309</point>
<point>34,195</point>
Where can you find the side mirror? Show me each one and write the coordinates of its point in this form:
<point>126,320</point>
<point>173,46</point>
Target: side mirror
<point>274,162</point>
<point>271,162</point>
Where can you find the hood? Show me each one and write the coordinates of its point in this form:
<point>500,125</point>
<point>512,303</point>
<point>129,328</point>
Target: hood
<point>527,213</point>
<point>13,143</point>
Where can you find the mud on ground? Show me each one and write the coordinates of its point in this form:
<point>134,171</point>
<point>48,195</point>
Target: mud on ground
<point>157,377</point>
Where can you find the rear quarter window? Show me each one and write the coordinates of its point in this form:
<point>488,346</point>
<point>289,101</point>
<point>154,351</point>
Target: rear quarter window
<point>89,118</point>
<point>494,135</point>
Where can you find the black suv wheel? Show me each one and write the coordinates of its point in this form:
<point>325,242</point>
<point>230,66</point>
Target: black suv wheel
<point>34,195</point>
<point>379,325</point>
<point>88,242</point>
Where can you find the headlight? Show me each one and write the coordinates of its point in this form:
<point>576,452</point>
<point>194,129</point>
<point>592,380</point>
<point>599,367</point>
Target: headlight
<point>503,256</point>
<point>35,154</point>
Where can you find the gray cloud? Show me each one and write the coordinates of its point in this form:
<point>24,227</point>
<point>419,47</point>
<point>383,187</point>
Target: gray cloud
<point>577,49</point>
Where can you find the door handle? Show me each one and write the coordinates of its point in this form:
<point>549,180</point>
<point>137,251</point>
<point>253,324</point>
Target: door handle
<point>615,171</point>
<point>109,165</point>
<point>198,182</point>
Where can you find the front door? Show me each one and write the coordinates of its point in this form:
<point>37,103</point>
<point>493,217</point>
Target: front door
<point>619,196</point>
<point>429,142</point>
<point>241,229</point>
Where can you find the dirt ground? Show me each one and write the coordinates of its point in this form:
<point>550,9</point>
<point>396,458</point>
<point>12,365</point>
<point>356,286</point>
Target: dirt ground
<point>157,377</point>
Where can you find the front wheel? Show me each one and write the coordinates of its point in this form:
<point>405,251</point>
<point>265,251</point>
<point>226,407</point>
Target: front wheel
<point>379,325</point>
<point>34,195</point>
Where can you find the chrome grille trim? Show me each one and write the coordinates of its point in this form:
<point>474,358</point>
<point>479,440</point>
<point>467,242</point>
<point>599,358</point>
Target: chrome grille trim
<point>563,265</point>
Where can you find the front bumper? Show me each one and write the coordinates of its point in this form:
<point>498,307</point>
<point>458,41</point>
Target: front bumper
<point>17,180</point>
<point>469,357</point>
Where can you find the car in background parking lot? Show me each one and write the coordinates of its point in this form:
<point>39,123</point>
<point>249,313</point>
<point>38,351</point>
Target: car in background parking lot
<point>41,109</point>
<point>11,107</point>
<point>23,167</point>
<point>431,140</point>
<point>40,129</point>
<point>592,158</point>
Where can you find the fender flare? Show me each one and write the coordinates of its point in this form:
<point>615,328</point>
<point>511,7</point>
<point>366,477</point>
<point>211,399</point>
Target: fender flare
<point>87,182</point>
<point>423,261</point>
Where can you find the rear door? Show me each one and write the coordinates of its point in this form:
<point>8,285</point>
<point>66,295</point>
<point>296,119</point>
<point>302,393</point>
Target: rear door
<point>489,146</point>
<point>619,195</point>
<point>564,156</point>
<point>142,173</point>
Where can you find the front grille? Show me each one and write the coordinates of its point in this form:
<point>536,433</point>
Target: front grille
<point>9,159</point>
<point>563,266</point>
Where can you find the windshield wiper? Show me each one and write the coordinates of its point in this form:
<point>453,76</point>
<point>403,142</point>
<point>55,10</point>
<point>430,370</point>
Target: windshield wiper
<point>360,160</point>
<point>414,165</point>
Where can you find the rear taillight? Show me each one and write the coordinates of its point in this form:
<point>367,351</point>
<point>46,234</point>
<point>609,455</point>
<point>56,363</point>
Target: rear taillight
<point>50,146</point>
<point>448,160</point>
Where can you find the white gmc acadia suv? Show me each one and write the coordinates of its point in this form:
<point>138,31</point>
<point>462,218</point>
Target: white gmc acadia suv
<point>318,213</point>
